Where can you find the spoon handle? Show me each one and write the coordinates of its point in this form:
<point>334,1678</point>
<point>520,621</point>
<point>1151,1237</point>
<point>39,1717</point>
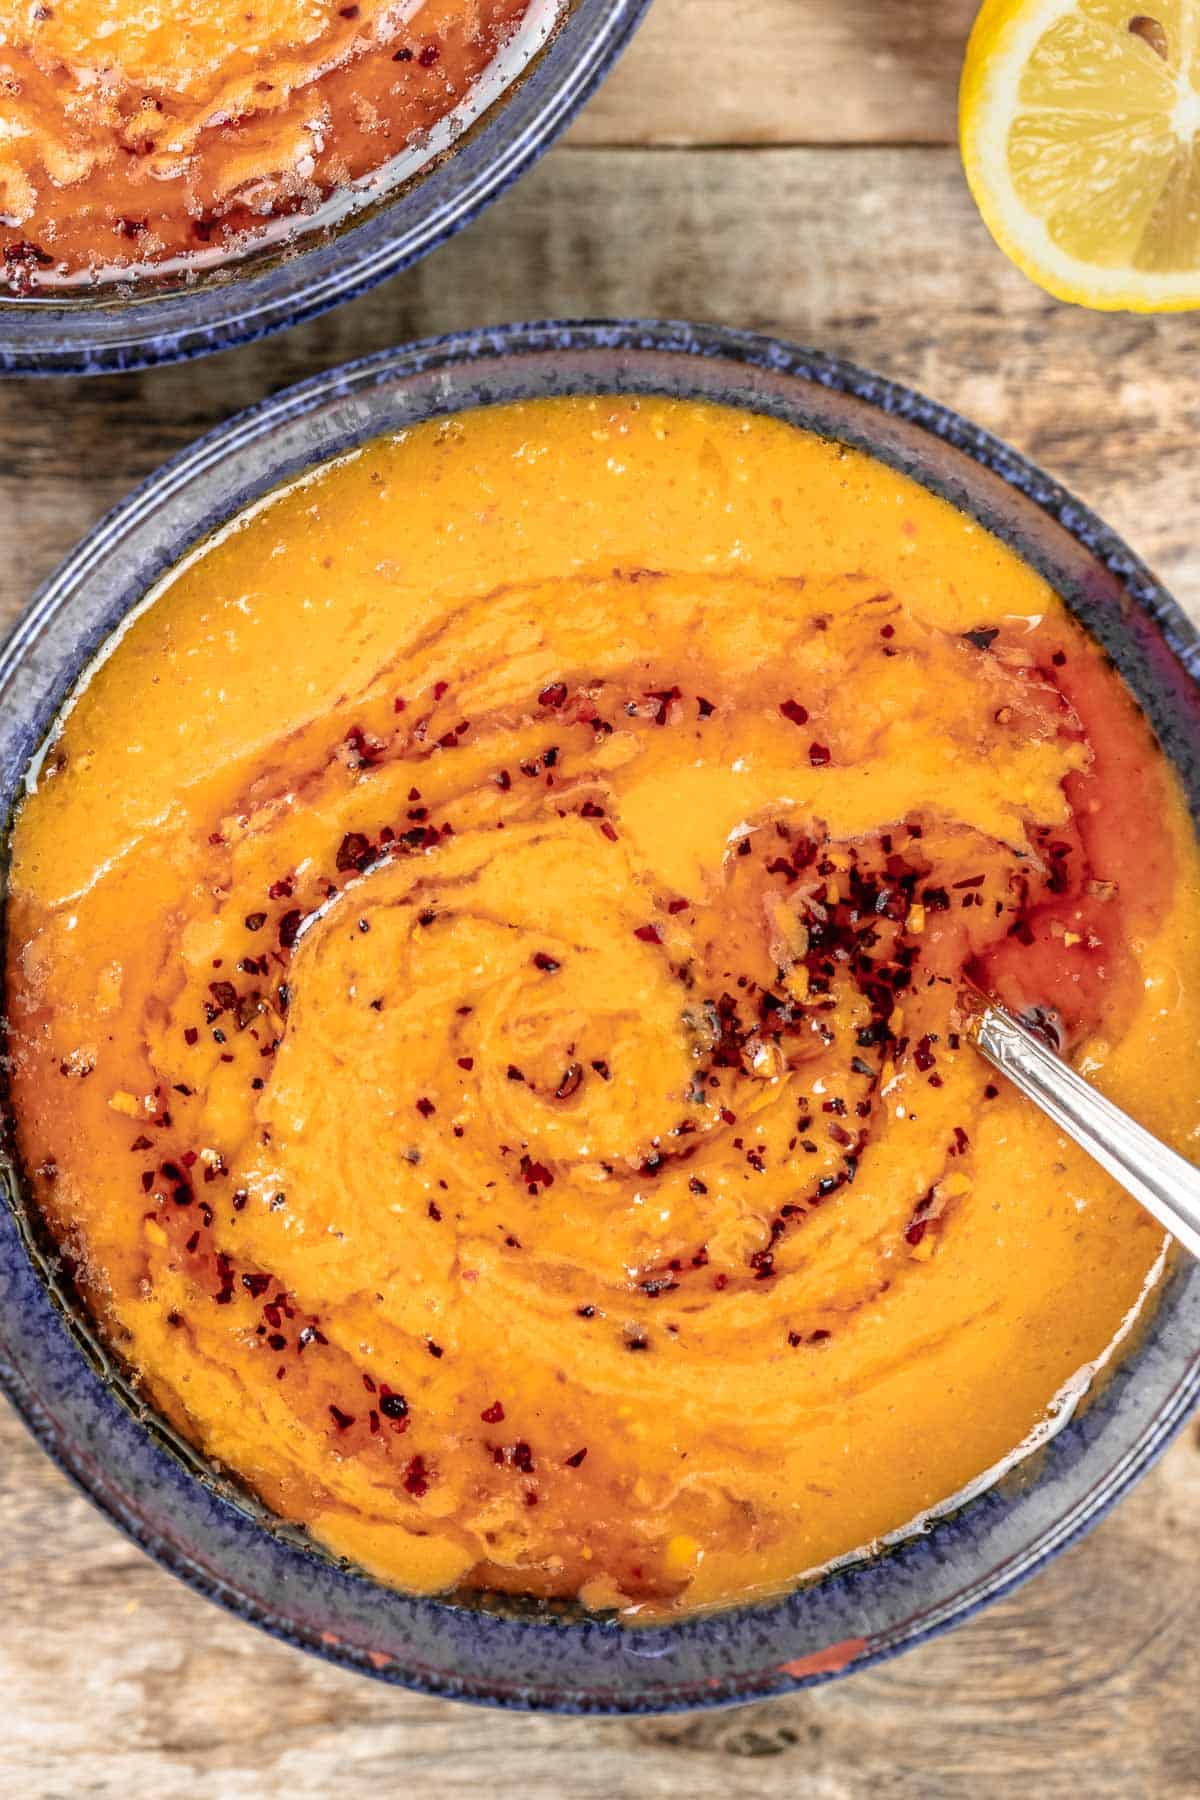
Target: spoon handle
<point>1162,1181</point>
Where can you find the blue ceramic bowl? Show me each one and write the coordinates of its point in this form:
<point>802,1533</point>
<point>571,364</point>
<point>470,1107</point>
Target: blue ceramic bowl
<point>222,1543</point>
<point>315,268</point>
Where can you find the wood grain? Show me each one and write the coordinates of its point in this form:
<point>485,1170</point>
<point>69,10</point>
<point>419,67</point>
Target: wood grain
<point>116,1681</point>
<point>786,72</point>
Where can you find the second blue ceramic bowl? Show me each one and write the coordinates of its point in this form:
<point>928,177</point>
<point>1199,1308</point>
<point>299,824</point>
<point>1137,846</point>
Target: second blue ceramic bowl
<point>319,266</point>
<point>223,1543</point>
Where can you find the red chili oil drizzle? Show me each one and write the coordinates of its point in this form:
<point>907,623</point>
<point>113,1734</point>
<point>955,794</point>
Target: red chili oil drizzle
<point>1066,956</point>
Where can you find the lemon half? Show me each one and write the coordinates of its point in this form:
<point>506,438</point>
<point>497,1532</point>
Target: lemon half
<point>1080,129</point>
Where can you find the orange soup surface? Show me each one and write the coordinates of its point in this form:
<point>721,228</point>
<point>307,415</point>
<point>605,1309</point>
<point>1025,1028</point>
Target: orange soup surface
<point>485,968</point>
<point>171,135</point>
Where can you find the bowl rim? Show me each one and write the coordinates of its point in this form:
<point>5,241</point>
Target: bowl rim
<point>108,333</point>
<point>52,1378</point>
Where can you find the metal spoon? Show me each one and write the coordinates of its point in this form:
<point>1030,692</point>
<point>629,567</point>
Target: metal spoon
<point>1162,1181</point>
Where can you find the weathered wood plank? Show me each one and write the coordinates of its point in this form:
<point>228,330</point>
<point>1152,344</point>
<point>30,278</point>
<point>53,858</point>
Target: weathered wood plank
<point>786,72</point>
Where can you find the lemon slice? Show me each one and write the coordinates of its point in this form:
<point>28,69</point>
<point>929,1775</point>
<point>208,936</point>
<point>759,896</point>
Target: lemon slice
<point>1080,129</point>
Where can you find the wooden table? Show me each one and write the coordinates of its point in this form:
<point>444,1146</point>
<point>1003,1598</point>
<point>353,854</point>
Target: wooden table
<point>786,165</point>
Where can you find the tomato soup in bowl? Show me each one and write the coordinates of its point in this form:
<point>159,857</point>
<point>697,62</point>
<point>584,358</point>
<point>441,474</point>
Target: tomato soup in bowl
<point>485,949</point>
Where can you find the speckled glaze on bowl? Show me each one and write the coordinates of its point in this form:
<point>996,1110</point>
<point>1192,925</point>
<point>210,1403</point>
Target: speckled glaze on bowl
<point>272,288</point>
<point>223,1544</point>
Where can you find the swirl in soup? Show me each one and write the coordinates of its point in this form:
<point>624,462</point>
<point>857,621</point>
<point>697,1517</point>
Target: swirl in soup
<point>485,961</point>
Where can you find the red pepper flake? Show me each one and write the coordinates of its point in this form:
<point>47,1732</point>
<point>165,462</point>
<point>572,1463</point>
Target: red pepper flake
<point>281,890</point>
<point>140,1143</point>
<point>439,688</point>
<point>818,755</point>
<point>225,1271</point>
<point>887,631</point>
<point>535,1175</point>
<point>609,831</point>
<point>546,963</point>
<point>1058,659</point>
<point>649,934</point>
<point>570,1083</point>
<point>393,1406</point>
<point>416,1478</point>
<point>983,637</point>
<point>794,712</point>
<point>602,1069</point>
<point>466,1062</point>
<point>665,697</point>
<point>403,55</point>
<point>190,1034</point>
<point>353,850</point>
<point>289,928</point>
<point>990,1091</point>
<point>573,1462</point>
<point>492,1415</point>
<point>425,1107</point>
<point>522,1457</point>
<point>704,707</point>
<point>367,750</point>
<point>255,921</point>
<point>427,58</point>
<point>678,906</point>
<point>553,695</point>
<point>398,704</point>
<point>435,1212</point>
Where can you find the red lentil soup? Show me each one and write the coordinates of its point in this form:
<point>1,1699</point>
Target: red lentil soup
<point>485,959</point>
<point>176,134</point>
